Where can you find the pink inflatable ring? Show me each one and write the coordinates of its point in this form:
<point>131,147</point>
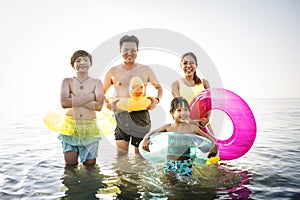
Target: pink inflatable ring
<point>244,125</point>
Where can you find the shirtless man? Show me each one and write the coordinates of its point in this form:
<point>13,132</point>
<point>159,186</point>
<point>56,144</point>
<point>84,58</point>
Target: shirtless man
<point>82,96</point>
<point>130,125</point>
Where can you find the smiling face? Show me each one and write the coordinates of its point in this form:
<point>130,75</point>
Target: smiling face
<point>82,64</point>
<point>188,65</point>
<point>81,61</point>
<point>129,51</point>
<point>181,113</point>
<point>180,109</point>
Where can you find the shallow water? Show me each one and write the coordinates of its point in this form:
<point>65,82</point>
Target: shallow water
<point>32,165</point>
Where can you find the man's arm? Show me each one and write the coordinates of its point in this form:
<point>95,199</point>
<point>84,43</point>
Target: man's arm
<point>153,80</point>
<point>106,85</point>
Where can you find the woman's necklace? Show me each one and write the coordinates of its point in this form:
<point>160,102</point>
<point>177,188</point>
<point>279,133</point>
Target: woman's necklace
<point>81,87</point>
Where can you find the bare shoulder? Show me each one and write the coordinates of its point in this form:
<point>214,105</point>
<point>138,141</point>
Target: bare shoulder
<point>205,83</point>
<point>67,80</point>
<point>114,70</point>
<point>167,127</point>
<point>175,83</point>
<point>164,128</point>
<point>149,74</point>
<point>96,80</point>
<point>175,89</point>
<point>144,67</point>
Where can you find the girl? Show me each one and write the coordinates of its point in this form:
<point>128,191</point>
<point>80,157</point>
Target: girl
<point>182,123</point>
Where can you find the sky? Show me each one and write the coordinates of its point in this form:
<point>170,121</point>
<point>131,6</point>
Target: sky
<point>253,45</point>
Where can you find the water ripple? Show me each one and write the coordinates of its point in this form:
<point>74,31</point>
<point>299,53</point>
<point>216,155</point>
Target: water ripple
<point>32,165</point>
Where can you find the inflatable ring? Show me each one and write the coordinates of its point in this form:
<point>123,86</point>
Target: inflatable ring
<point>177,144</point>
<point>244,125</point>
<point>131,104</point>
<point>57,121</point>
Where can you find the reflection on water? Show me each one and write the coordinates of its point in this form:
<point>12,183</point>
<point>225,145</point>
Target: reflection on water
<point>32,165</point>
<point>33,168</point>
<point>135,178</point>
<point>122,178</point>
<point>131,177</point>
<point>81,182</point>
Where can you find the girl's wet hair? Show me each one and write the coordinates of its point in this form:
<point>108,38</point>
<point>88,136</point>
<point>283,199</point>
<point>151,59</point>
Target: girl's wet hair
<point>131,38</point>
<point>80,53</point>
<point>195,77</point>
<point>177,102</point>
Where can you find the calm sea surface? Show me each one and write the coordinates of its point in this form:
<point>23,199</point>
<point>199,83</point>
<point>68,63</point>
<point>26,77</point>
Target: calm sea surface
<point>32,165</point>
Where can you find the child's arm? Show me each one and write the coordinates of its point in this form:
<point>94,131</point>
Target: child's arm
<point>82,100</point>
<point>201,123</point>
<point>96,104</point>
<point>146,141</point>
<point>68,100</point>
<point>99,92</point>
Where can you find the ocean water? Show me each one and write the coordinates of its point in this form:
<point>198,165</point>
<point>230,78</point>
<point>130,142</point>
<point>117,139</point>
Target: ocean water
<point>32,165</point>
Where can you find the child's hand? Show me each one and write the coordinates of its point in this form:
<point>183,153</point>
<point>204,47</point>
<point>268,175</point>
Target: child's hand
<point>203,122</point>
<point>213,152</point>
<point>146,144</point>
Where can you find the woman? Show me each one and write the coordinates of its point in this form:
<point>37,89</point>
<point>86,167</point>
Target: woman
<point>191,85</point>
